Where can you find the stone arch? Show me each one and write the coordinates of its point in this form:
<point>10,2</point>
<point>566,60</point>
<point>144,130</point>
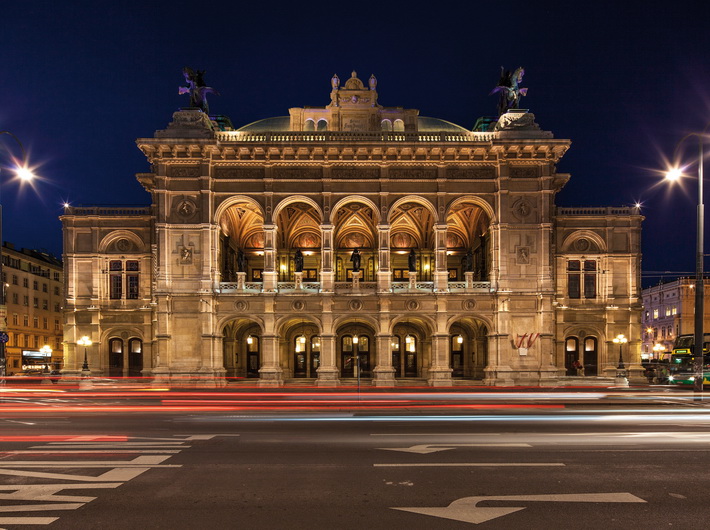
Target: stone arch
<point>595,240</point>
<point>136,244</point>
<point>224,321</point>
<point>354,198</point>
<point>411,198</point>
<point>118,364</point>
<point>294,199</point>
<point>419,320</point>
<point>386,125</point>
<point>322,125</point>
<point>472,199</point>
<point>309,125</point>
<point>236,199</point>
<point>398,125</point>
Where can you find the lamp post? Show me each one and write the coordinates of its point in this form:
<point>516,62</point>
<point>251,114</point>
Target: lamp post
<point>657,349</point>
<point>47,351</point>
<point>674,174</point>
<point>620,368</point>
<point>23,173</point>
<point>85,342</point>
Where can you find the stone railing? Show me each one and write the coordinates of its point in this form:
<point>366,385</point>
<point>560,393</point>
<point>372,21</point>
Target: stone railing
<point>314,287</point>
<point>475,287</point>
<point>107,210</point>
<point>419,286</point>
<point>602,210</point>
<point>345,136</point>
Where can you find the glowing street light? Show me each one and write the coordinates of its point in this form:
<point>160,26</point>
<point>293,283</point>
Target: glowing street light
<point>47,351</point>
<point>657,349</point>
<point>621,369</point>
<point>85,342</point>
<point>23,172</point>
<point>673,174</point>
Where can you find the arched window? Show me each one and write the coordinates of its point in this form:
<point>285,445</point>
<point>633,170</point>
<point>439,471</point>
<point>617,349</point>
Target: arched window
<point>398,125</point>
<point>386,125</point>
<point>322,125</point>
<point>309,126</point>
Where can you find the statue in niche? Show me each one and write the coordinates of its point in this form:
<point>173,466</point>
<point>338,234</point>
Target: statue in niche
<point>467,261</point>
<point>186,255</point>
<point>241,261</point>
<point>509,89</point>
<point>196,88</point>
<point>412,261</point>
<point>298,260</point>
<point>355,258</point>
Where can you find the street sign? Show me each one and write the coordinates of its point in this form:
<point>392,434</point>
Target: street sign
<point>465,509</point>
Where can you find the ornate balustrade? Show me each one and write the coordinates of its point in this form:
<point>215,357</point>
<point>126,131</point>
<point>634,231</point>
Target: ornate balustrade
<point>346,136</point>
<point>345,287</point>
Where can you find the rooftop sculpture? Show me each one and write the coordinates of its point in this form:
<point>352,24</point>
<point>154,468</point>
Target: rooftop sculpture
<point>509,89</point>
<point>196,88</point>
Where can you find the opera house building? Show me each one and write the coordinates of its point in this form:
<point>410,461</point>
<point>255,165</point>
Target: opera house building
<point>352,241</point>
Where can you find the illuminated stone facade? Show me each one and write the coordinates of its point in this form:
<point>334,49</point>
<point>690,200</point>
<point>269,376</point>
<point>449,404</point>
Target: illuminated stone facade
<point>243,266</point>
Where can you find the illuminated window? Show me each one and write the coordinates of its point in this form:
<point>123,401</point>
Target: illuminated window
<point>655,314</point>
<point>668,311</point>
<point>674,311</point>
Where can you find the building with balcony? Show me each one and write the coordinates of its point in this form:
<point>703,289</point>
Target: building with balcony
<point>34,296</point>
<point>669,311</point>
<point>352,239</point>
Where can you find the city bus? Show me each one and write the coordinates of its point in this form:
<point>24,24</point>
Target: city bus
<point>682,365</point>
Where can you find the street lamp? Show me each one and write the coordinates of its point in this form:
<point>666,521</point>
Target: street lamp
<point>657,349</point>
<point>47,351</point>
<point>85,342</point>
<point>621,369</point>
<point>23,172</point>
<point>673,174</point>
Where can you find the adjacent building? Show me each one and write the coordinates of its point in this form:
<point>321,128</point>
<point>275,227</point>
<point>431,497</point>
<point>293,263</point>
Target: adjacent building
<point>669,311</point>
<point>352,239</point>
<point>34,297</point>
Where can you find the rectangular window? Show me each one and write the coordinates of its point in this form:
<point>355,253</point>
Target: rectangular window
<point>674,311</point>
<point>14,279</point>
<point>116,290</point>
<point>668,311</point>
<point>35,285</point>
<point>56,276</point>
<point>26,300</point>
<point>45,304</point>
<point>25,282</point>
<point>15,298</point>
<point>56,307</point>
<point>590,279</point>
<point>115,266</point>
<point>132,286</point>
<point>35,321</point>
<point>15,319</point>
<point>26,320</point>
<point>45,323</point>
<point>573,279</point>
<point>655,314</point>
<point>56,325</point>
<point>56,291</point>
<point>44,287</point>
<point>132,266</point>
<point>35,303</point>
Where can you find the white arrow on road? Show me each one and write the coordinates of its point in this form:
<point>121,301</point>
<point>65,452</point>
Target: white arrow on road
<point>465,509</point>
<point>425,449</point>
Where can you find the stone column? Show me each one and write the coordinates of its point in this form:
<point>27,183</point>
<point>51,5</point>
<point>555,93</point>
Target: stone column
<point>384,371</point>
<point>384,275</point>
<point>328,370</point>
<point>441,272</point>
<point>270,274</point>
<point>440,371</point>
<point>270,372</point>
<point>327,275</point>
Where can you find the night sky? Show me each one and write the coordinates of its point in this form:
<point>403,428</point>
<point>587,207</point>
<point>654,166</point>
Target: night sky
<point>80,81</point>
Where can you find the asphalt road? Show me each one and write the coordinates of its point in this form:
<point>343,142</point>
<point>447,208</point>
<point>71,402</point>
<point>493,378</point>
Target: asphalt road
<point>631,466</point>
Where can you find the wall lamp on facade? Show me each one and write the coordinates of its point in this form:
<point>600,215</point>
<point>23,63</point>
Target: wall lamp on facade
<point>85,341</point>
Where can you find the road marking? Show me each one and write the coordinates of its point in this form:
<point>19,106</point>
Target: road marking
<point>425,449</point>
<point>114,475</point>
<point>438,434</point>
<point>108,447</point>
<point>139,461</point>
<point>467,511</point>
<point>476,464</point>
<point>42,507</point>
<point>27,520</point>
<point>56,450</point>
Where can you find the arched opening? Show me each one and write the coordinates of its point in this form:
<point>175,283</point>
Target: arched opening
<point>468,348</point>
<point>591,356</point>
<point>322,125</point>
<point>468,242</point>
<point>398,126</point>
<point>135,357</point>
<point>571,354</point>
<point>355,236</point>
<point>412,242</point>
<point>386,125</point>
<point>241,348</point>
<point>241,243</point>
<point>299,242</point>
<point>406,350</point>
<point>356,351</point>
<point>303,350</point>
<point>309,126</point>
<point>115,357</point>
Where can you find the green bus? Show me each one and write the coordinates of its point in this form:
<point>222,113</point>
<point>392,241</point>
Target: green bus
<point>682,365</point>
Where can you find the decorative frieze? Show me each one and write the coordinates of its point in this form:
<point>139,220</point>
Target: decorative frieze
<point>239,173</point>
<point>412,173</point>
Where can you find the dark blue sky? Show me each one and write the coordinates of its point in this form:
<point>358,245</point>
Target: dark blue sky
<point>80,81</point>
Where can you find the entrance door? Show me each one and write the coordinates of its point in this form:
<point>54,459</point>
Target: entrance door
<point>354,352</point>
<point>135,357</point>
<point>590,356</point>
<point>457,356</point>
<point>115,358</point>
<point>410,356</point>
<point>397,357</point>
<point>252,348</point>
<point>300,363</point>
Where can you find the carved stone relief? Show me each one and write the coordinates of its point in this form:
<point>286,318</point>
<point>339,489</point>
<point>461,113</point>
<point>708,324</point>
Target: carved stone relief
<point>522,255</point>
<point>355,305</point>
<point>355,173</point>
<point>184,171</point>
<point>412,173</point>
<point>471,173</point>
<point>240,173</point>
<point>468,305</point>
<point>241,305</point>
<point>524,172</point>
<point>522,209</point>
<point>303,173</point>
<point>412,305</point>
